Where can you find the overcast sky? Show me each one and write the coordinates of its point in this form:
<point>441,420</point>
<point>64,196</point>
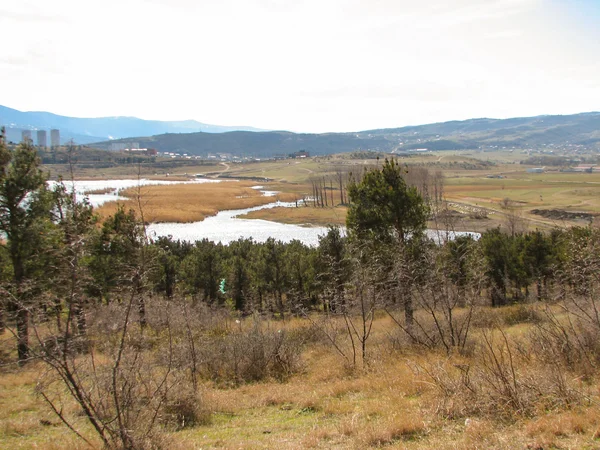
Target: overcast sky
<point>301,65</point>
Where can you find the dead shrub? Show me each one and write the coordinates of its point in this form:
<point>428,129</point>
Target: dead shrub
<point>436,330</point>
<point>184,409</point>
<point>520,313</point>
<point>503,380</point>
<point>126,384</point>
<point>254,354</point>
<point>507,316</point>
<point>569,337</point>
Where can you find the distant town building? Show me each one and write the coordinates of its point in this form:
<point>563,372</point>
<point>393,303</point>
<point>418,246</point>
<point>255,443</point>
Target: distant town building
<point>300,154</point>
<point>586,168</point>
<point>123,146</point>
<point>536,170</point>
<point>582,168</point>
<point>42,138</point>
<point>55,138</point>
<point>26,136</point>
<point>146,151</point>
<point>117,146</point>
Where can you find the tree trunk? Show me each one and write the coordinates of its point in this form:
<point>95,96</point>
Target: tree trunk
<point>409,313</point>
<point>80,317</point>
<point>280,304</point>
<point>22,334</point>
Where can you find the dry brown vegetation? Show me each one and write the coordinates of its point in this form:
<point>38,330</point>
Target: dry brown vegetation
<point>264,384</point>
<point>190,202</point>
<point>302,215</point>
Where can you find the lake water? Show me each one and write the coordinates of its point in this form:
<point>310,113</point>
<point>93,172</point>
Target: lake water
<point>83,186</point>
<point>225,227</point>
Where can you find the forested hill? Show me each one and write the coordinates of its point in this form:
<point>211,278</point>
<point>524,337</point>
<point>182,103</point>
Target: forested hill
<point>530,132</point>
<point>259,144</point>
<point>577,129</point>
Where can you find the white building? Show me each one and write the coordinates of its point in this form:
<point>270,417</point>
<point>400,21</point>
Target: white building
<point>42,139</point>
<point>55,138</point>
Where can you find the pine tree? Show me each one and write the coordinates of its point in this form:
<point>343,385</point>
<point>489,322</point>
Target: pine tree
<point>25,213</point>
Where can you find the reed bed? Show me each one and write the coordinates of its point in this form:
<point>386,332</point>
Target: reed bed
<point>302,215</point>
<point>188,202</point>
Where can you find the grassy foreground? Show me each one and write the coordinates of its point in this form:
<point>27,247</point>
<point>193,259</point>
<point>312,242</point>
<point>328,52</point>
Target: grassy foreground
<point>405,398</point>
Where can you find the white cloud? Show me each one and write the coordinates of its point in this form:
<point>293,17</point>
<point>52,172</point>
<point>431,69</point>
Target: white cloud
<point>307,65</point>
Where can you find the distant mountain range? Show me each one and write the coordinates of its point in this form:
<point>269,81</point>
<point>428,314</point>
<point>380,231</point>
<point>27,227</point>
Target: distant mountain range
<point>196,138</point>
<point>528,132</point>
<point>86,131</point>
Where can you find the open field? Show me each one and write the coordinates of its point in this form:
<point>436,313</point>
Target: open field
<point>464,189</point>
<point>561,191</point>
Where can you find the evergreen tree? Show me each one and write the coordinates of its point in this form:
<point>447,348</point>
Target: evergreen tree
<point>383,206</point>
<point>25,215</point>
<point>384,212</point>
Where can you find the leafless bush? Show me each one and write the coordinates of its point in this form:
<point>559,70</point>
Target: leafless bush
<point>503,380</point>
<point>125,382</point>
<point>184,409</point>
<point>433,334</point>
<point>568,339</point>
<point>444,290</point>
<point>488,317</point>
<point>348,325</point>
<point>570,335</point>
<point>250,354</point>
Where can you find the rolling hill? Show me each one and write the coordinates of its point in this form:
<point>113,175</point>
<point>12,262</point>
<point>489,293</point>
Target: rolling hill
<point>88,130</point>
<point>529,132</point>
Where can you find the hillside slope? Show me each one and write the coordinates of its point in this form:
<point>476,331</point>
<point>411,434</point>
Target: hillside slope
<point>529,132</point>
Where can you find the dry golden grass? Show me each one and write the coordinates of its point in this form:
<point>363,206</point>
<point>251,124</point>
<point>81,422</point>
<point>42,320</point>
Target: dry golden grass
<point>302,215</point>
<point>326,406</point>
<point>107,190</point>
<point>26,421</point>
<point>189,202</point>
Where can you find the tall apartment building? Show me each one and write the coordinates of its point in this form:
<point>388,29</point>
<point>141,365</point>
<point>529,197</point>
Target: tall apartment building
<point>54,138</point>
<point>42,138</point>
<point>26,136</point>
